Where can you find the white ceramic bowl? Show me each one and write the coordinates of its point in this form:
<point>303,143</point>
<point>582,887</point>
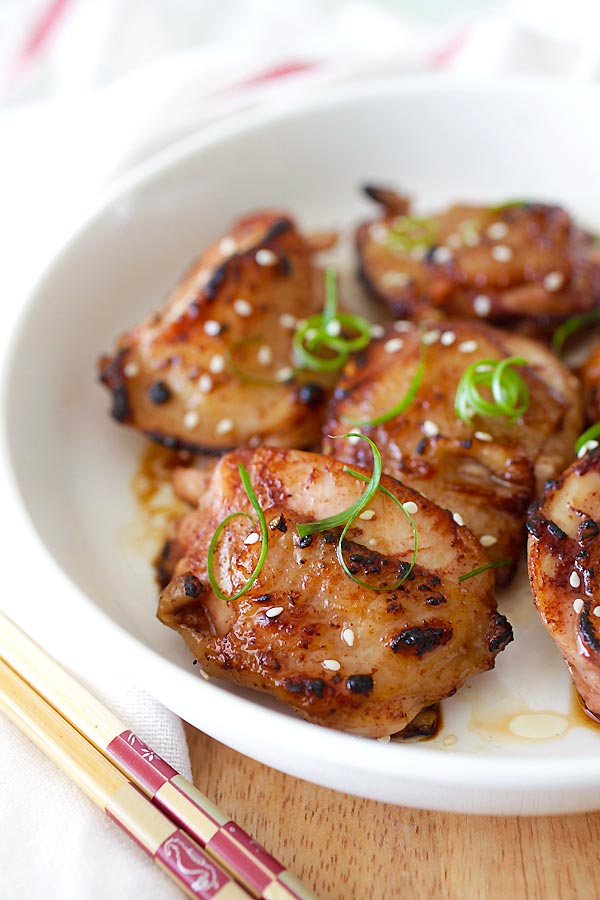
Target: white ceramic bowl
<point>71,465</point>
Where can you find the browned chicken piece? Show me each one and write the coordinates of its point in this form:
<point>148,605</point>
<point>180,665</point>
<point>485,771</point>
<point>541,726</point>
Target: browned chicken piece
<point>341,655</point>
<point>486,472</point>
<point>564,570</point>
<point>526,265</point>
<point>590,378</point>
<point>213,369</point>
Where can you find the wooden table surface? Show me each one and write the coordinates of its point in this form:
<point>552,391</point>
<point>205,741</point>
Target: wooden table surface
<point>345,848</point>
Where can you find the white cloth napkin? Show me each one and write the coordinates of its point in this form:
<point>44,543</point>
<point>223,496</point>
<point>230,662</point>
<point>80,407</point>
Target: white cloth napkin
<point>56,156</point>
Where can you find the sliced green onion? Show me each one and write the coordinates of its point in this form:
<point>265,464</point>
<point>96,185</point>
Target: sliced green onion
<point>571,325</point>
<point>510,396</point>
<point>245,479</point>
<point>491,565</point>
<point>402,404</point>
<point>510,204</point>
<point>591,434</point>
<point>410,232</point>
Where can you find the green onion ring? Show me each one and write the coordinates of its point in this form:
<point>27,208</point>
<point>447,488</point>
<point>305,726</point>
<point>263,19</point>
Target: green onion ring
<point>510,396</point>
<point>245,479</point>
<point>571,325</point>
<point>490,565</point>
<point>590,434</point>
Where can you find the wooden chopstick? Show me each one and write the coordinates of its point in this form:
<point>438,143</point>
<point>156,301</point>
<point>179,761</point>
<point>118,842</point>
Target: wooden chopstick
<point>255,869</point>
<point>171,848</point>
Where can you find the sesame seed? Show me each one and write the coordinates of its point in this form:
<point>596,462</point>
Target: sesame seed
<point>273,612</point>
<point>212,328</point>
<point>347,636</point>
<point>191,419</point>
<point>394,279</point>
<point>419,252</point>
<point>367,515</point>
<point>467,346</point>
<point>287,321</point>
<point>482,305</point>
<point>227,246</point>
<point>483,436</point>
<point>458,518</point>
<point>253,538</point>
<point>554,281</point>
<point>431,337</point>
<point>372,542</point>
<point>264,355</point>
<point>429,428</point>
<point>377,331</point>
<point>596,611</point>
<point>311,334</point>
<point>205,675</point>
<point>284,374</point>
<point>224,426</point>
<point>385,739</point>
<point>453,241</point>
<point>393,345</point>
<point>217,364</point>
<point>355,436</point>
<point>331,664</point>
<point>578,605</point>
<point>589,445</point>
<point>497,231</point>
<point>378,232</point>
<point>131,369</point>
<point>448,338</point>
<point>471,237</point>
<point>242,307</point>
<point>501,253</point>
<point>205,384</point>
<point>266,257</point>
<point>410,507</point>
<point>488,540</point>
<point>403,326</point>
<point>441,255</point>
<point>334,327</point>
<point>575,580</point>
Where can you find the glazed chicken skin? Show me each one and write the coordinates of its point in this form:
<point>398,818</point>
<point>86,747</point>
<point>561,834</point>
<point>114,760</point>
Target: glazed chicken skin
<point>213,369</point>
<point>564,570</point>
<point>524,266</point>
<point>341,655</point>
<point>486,471</point>
<point>590,379</point>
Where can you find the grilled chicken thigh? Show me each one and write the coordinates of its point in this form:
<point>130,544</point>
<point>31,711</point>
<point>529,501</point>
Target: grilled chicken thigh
<point>523,264</point>
<point>564,570</point>
<point>487,471</point>
<point>213,369</point>
<point>341,655</point>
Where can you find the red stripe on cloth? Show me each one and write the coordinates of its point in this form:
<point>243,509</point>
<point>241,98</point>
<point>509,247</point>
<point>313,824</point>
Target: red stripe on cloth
<point>42,29</point>
<point>448,51</point>
<point>140,761</point>
<point>281,70</point>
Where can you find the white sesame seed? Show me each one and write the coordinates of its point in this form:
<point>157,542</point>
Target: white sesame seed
<point>488,540</point>
<point>403,326</point>
<point>578,605</point>
<point>227,246</point>
<point>554,281</point>
<point>205,675</point>
<point>596,611</point>
<point>347,636</point>
<point>410,507</point>
<point>429,428</point>
<point>393,345</point>
<point>482,305</point>
<point>264,355</point>
<point>453,241</point>
<point>483,436</point>
<point>284,374</point>
<point>225,426</point>
<point>191,419</point>
<point>378,232</point>
<point>311,334</point>
<point>589,445</point>
<point>217,364</point>
<point>448,338</point>
<point>471,237</point>
<point>441,255</point>
<point>367,515</point>
<point>273,612</point>
<point>331,664</point>
<point>287,321</point>
<point>355,436</point>
<point>266,257</point>
<point>372,542</point>
<point>131,369</point>
<point>418,252</point>
<point>497,230</point>
<point>385,739</point>
<point>501,253</point>
<point>334,327</point>
<point>458,518</point>
<point>575,580</point>
<point>212,328</point>
<point>253,538</point>
<point>205,384</point>
<point>242,307</point>
<point>394,279</point>
<point>467,346</point>
<point>431,337</point>
<point>377,331</point>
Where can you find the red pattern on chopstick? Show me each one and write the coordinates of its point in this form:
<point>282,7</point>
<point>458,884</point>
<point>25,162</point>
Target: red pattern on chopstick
<point>181,856</point>
<point>237,849</point>
<point>141,761</point>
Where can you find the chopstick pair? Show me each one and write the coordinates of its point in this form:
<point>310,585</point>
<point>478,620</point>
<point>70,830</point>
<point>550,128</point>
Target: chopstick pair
<point>174,823</point>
